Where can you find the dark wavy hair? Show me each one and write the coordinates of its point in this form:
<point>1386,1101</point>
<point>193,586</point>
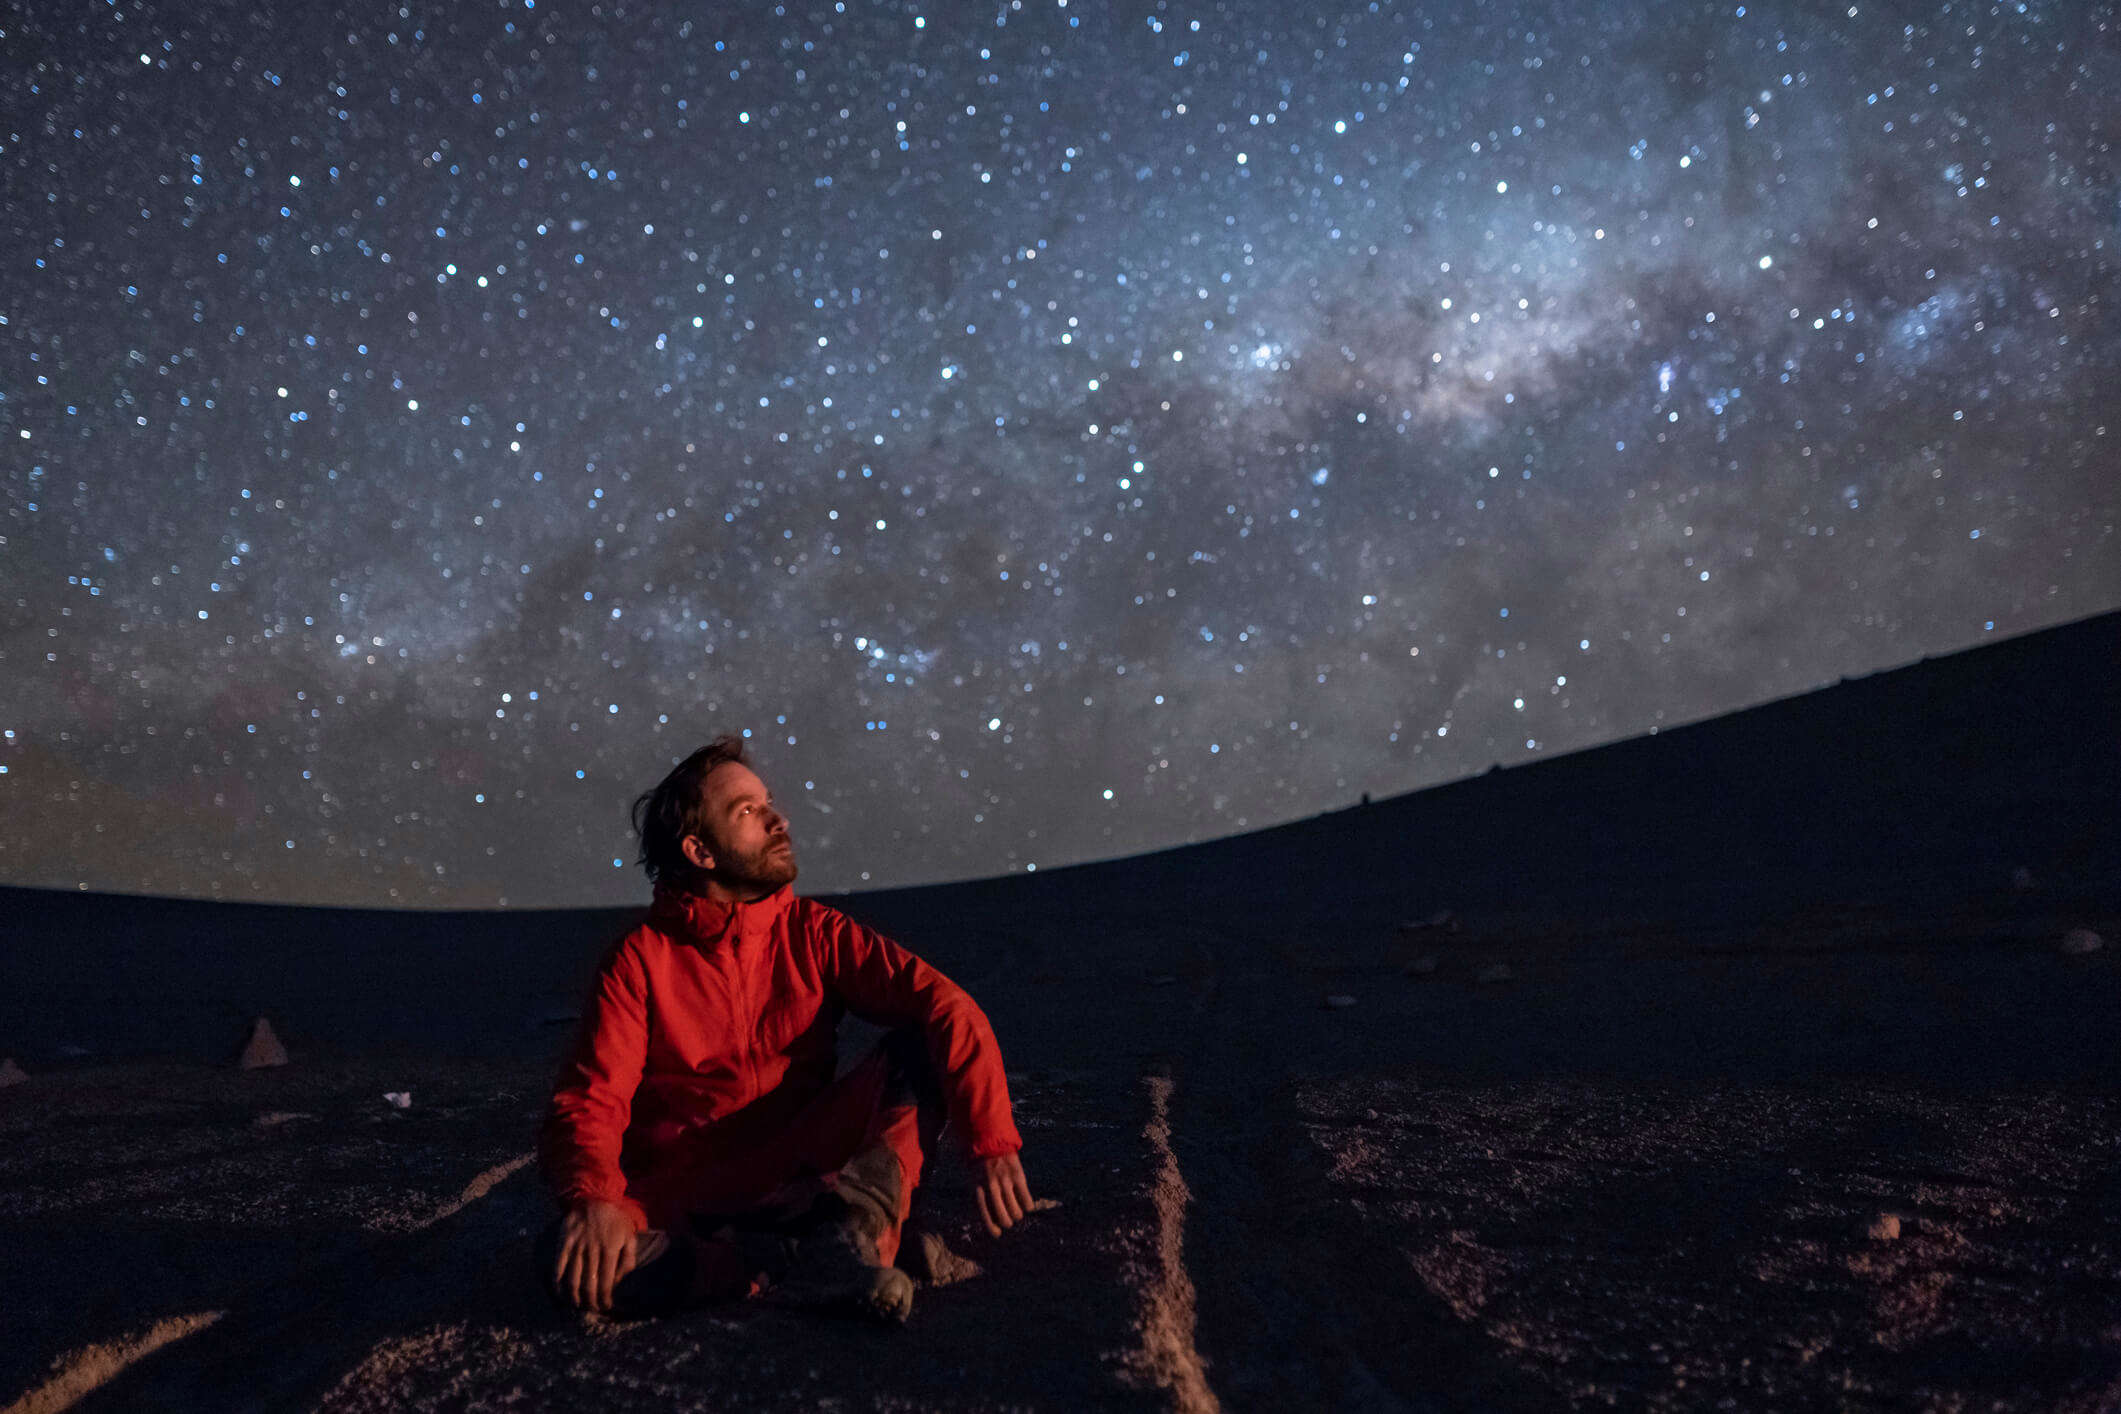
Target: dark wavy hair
<point>664,816</point>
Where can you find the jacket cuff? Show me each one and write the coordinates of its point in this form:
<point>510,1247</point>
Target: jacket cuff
<point>575,1196</point>
<point>993,1146</point>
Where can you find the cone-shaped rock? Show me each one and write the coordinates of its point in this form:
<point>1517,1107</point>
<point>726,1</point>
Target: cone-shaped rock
<point>263,1048</point>
<point>11,1074</point>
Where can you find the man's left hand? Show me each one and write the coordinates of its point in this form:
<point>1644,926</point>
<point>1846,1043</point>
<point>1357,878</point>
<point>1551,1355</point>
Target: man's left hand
<point>1004,1193</point>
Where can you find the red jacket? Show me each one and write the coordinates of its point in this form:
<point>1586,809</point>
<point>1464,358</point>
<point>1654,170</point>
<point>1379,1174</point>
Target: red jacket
<point>712,1024</point>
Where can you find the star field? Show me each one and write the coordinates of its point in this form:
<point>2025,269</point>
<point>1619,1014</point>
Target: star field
<point>1050,431</point>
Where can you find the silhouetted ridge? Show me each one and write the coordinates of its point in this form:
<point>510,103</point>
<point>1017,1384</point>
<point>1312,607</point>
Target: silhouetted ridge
<point>1948,773</point>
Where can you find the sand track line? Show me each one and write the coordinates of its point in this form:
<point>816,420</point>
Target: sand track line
<point>481,1185</point>
<point>290,1332</point>
<point>93,1366</point>
<point>1168,1357</point>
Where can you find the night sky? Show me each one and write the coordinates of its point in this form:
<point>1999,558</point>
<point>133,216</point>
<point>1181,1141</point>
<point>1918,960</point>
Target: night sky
<point>1051,431</point>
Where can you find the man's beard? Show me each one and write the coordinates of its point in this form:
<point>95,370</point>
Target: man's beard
<point>764,871</point>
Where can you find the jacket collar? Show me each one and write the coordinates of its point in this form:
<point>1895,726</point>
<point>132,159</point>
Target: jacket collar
<point>698,918</point>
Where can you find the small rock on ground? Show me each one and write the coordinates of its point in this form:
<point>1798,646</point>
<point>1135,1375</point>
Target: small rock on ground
<point>273,1119</point>
<point>1883,1228</point>
<point>2079,941</point>
<point>11,1074</point>
<point>263,1049</point>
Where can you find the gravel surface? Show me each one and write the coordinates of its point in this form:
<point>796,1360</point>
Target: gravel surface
<point>1852,1160</point>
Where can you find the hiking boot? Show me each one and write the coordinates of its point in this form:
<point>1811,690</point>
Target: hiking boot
<point>835,1265</point>
<point>660,1283</point>
<point>829,1277</point>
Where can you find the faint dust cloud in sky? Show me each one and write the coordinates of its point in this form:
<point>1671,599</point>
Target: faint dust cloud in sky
<point>1051,435</point>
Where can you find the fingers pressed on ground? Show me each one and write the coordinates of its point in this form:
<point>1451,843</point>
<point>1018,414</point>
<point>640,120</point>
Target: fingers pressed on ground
<point>576,1284</point>
<point>587,1257</point>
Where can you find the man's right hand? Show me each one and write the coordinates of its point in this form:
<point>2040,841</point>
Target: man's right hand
<point>596,1249</point>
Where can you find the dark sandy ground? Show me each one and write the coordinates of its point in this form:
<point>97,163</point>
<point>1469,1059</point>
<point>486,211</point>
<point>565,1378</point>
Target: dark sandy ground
<point>353,1256</point>
<point>1648,1169</point>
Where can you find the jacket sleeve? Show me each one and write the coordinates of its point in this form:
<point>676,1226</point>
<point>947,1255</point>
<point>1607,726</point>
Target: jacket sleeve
<point>883,983</point>
<point>586,1124</point>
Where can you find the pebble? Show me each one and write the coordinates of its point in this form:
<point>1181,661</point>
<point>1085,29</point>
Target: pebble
<point>1884,1228</point>
<point>399,1099</point>
<point>11,1074</point>
<point>1335,1001</point>
<point>1495,972</point>
<point>2079,941</point>
<point>273,1119</point>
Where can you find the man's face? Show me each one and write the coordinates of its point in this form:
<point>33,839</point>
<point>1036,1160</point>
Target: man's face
<point>747,838</point>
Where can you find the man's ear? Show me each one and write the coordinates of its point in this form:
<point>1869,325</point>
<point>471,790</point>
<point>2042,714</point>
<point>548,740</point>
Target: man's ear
<point>696,853</point>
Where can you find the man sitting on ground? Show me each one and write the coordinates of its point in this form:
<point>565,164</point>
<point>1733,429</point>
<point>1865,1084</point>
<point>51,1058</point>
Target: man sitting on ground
<point>699,1144</point>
